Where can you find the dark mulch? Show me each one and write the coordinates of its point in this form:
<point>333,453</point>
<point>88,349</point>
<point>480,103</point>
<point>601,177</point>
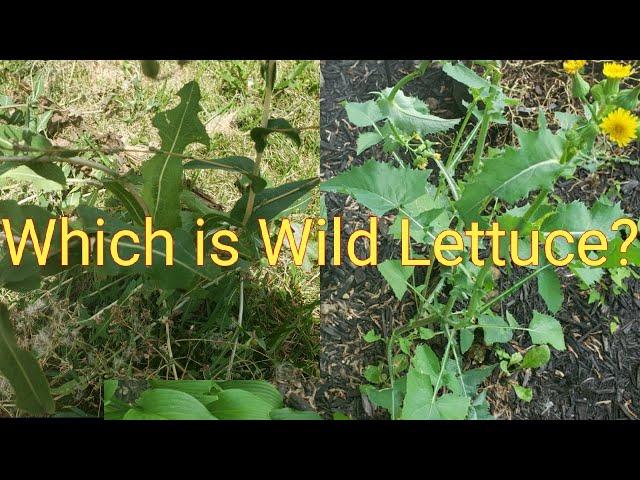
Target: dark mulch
<point>596,378</point>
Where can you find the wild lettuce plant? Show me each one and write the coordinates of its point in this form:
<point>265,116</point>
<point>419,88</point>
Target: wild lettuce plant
<point>470,182</point>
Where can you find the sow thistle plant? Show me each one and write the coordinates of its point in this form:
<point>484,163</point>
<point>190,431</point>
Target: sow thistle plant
<point>158,191</point>
<point>458,310</point>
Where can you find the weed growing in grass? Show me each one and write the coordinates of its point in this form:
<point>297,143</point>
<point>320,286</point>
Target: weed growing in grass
<point>183,322</point>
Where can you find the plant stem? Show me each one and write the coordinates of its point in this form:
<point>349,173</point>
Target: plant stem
<point>486,120</point>
<point>266,108</point>
<point>449,180</point>
<point>83,162</point>
<point>482,138</point>
<point>511,289</point>
<point>454,148</point>
<point>542,195</point>
<point>407,78</point>
<point>171,361</point>
<point>235,343</point>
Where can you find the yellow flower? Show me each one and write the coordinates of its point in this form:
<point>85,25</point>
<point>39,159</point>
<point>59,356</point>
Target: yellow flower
<point>573,66</point>
<point>620,126</point>
<point>616,70</point>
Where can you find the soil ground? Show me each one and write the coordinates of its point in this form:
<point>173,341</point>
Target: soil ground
<point>596,378</point>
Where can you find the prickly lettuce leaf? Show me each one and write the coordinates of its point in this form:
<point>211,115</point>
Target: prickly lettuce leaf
<point>511,175</point>
<point>162,174</point>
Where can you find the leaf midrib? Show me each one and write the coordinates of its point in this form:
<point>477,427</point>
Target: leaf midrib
<point>168,156</point>
<point>511,179</point>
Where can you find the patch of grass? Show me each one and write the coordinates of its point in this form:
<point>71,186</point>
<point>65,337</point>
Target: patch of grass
<point>84,327</point>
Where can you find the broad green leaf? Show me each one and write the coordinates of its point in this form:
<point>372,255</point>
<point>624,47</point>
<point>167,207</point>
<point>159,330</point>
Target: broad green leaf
<point>550,289</point>
<point>418,397</point>
<point>474,377</point>
<point>426,362</point>
<point>379,186</point>
<point>261,389</point>
<point>367,140</point>
<point>192,387</point>
<point>428,215</point>
<point>577,218</point>
<point>109,387</point>
<point>20,278</point>
<point>426,333</point>
<point>236,404</point>
<point>168,404</point>
<point>466,339</point>
<point>614,254</point>
<point>371,336</point>
<point>138,414</point>
<point>273,202</point>
<point>536,357</point>
<point>516,172</point>
<point>396,276</point>
<point>628,98</point>
<point>496,330</point>
<point>43,176</point>
<point>363,114</point>
<point>23,372</point>
<point>383,398</point>
<point>130,201</point>
<point>289,414</point>
<point>523,393</point>
<point>274,125</point>
<point>46,177</point>
<point>465,75</point>
<point>162,174</point>
<point>412,115</point>
<point>115,409</point>
<point>373,374</point>
<point>545,329</point>
<point>201,390</point>
<point>566,120</point>
<point>452,407</point>
<point>588,275</point>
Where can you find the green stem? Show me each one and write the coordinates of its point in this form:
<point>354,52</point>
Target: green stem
<point>486,121</point>
<point>482,138</point>
<point>83,162</point>
<point>542,195</point>
<point>512,289</point>
<point>436,387</point>
<point>455,356</point>
<point>461,130</point>
<point>266,108</point>
<point>407,78</point>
